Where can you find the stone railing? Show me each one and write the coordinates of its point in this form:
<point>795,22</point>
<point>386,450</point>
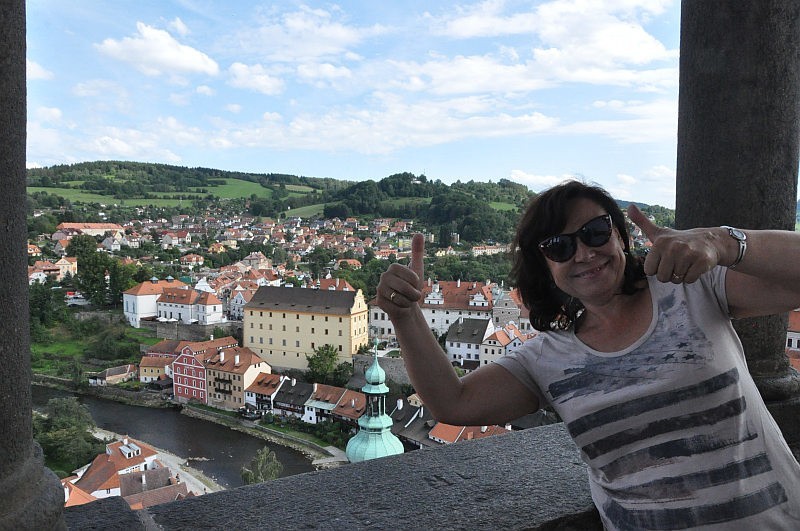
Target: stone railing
<point>524,480</point>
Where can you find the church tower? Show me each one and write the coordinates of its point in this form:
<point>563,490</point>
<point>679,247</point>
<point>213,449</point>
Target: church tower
<point>374,438</point>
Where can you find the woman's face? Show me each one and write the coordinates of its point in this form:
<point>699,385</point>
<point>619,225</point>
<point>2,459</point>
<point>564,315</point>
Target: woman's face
<point>592,274</point>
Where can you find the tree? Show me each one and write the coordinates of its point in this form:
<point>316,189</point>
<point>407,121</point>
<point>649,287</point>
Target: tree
<point>264,467</point>
<point>82,246</point>
<point>120,278</point>
<point>63,433</point>
<point>321,364</point>
<point>91,277</point>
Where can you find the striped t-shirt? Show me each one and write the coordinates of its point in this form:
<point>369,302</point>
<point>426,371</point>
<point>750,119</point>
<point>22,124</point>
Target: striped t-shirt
<point>673,429</point>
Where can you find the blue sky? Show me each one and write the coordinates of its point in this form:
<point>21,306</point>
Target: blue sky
<point>531,91</point>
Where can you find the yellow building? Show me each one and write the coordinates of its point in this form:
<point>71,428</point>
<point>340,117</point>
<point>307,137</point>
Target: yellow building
<point>282,325</point>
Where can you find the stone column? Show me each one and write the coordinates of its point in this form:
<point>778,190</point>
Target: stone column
<point>31,496</point>
<point>738,145</point>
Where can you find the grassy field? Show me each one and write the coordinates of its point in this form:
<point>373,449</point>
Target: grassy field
<point>56,357</point>
<point>299,188</point>
<point>307,211</point>
<point>502,206</point>
<point>234,188</point>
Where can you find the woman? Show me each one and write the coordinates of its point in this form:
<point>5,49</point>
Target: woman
<point>639,359</point>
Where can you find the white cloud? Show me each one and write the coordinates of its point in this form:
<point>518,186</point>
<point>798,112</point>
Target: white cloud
<point>581,41</point>
<point>654,121</point>
<point>205,90</point>
<point>324,71</point>
<point>34,70</point>
<point>179,27</point>
<point>234,108</point>
<point>254,77</point>
<point>538,182</point>
<point>180,99</point>
<point>303,35</point>
<point>48,114</point>
<point>155,52</point>
<point>627,180</point>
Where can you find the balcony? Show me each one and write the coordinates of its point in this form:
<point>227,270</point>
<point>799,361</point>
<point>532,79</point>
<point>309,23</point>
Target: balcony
<point>223,391</point>
<point>532,479</point>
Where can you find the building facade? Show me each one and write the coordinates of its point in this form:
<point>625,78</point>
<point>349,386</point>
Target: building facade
<point>283,325</point>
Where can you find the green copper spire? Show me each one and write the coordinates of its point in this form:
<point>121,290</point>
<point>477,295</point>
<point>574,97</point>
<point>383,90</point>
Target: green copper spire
<point>374,438</point>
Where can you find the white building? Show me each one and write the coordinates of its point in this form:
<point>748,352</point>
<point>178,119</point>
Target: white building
<point>464,339</point>
<point>189,306</point>
<point>444,303</point>
<point>141,301</point>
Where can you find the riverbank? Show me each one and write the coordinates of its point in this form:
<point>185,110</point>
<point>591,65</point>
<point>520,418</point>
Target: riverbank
<point>195,481</point>
<point>321,457</point>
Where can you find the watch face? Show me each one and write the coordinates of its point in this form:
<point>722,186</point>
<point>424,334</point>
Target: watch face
<point>738,234</point>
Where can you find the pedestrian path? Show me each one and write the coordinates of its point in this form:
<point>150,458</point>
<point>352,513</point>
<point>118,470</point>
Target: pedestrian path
<point>336,458</point>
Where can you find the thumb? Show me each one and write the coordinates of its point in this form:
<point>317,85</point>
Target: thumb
<point>417,253</point>
<point>649,228</point>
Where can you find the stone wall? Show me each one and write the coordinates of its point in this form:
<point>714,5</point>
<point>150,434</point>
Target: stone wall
<point>532,479</point>
<point>191,332</point>
<point>395,367</point>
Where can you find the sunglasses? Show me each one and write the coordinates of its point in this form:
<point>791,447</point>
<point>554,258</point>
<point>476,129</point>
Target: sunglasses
<point>562,247</point>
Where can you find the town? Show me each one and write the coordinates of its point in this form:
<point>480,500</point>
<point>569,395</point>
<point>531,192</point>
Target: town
<point>275,318</point>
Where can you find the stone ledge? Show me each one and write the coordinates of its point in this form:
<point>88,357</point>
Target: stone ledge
<point>524,480</point>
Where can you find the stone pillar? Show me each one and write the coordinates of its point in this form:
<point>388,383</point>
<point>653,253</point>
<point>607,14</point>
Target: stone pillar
<point>738,145</point>
<point>31,496</point>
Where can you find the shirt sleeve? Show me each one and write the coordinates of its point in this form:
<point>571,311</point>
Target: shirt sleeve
<point>521,364</point>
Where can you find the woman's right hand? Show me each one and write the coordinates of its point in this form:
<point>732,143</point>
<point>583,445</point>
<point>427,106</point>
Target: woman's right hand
<point>400,287</point>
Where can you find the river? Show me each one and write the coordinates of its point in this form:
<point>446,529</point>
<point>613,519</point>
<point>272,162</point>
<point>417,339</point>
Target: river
<point>226,450</point>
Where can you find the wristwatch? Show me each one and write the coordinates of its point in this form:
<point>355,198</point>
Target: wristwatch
<point>741,237</point>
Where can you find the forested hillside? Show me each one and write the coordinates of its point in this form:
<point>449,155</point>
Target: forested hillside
<point>80,190</point>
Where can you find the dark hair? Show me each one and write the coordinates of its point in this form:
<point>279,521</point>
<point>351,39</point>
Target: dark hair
<point>546,215</point>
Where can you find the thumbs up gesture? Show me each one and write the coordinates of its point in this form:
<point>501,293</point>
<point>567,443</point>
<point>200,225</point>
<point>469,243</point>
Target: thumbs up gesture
<point>678,256</point>
<point>400,287</point>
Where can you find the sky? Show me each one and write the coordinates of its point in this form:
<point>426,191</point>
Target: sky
<point>534,92</point>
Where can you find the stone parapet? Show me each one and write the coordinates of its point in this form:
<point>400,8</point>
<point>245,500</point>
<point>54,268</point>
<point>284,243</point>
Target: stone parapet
<point>532,479</point>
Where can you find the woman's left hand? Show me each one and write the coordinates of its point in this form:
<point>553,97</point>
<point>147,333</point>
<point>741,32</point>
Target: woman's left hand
<point>680,256</point>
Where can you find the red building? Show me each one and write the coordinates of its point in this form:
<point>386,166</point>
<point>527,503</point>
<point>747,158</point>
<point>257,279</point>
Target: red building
<point>189,376</point>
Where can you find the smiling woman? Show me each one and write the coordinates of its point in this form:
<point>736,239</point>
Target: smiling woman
<point>637,356</point>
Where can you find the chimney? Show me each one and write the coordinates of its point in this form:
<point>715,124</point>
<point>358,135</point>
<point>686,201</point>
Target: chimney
<point>236,360</point>
<point>458,283</point>
<point>484,428</point>
<point>353,403</point>
<point>337,282</point>
<point>211,337</point>
<point>125,441</point>
<point>469,435</point>
<point>399,404</point>
<point>429,281</point>
<point>222,356</point>
<point>294,382</point>
<point>144,481</point>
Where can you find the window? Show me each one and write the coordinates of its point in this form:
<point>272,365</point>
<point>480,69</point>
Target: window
<point>340,319</point>
<point>261,340</point>
<point>270,341</point>
<point>326,331</point>
<point>283,342</point>
<point>297,316</point>
<point>284,328</point>
<point>251,324</point>
<point>312,330</point>
<point>297,329</point>
<point>297,344</point>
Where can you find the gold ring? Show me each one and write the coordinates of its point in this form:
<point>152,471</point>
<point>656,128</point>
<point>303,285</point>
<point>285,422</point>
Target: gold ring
<point>391,297</point>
